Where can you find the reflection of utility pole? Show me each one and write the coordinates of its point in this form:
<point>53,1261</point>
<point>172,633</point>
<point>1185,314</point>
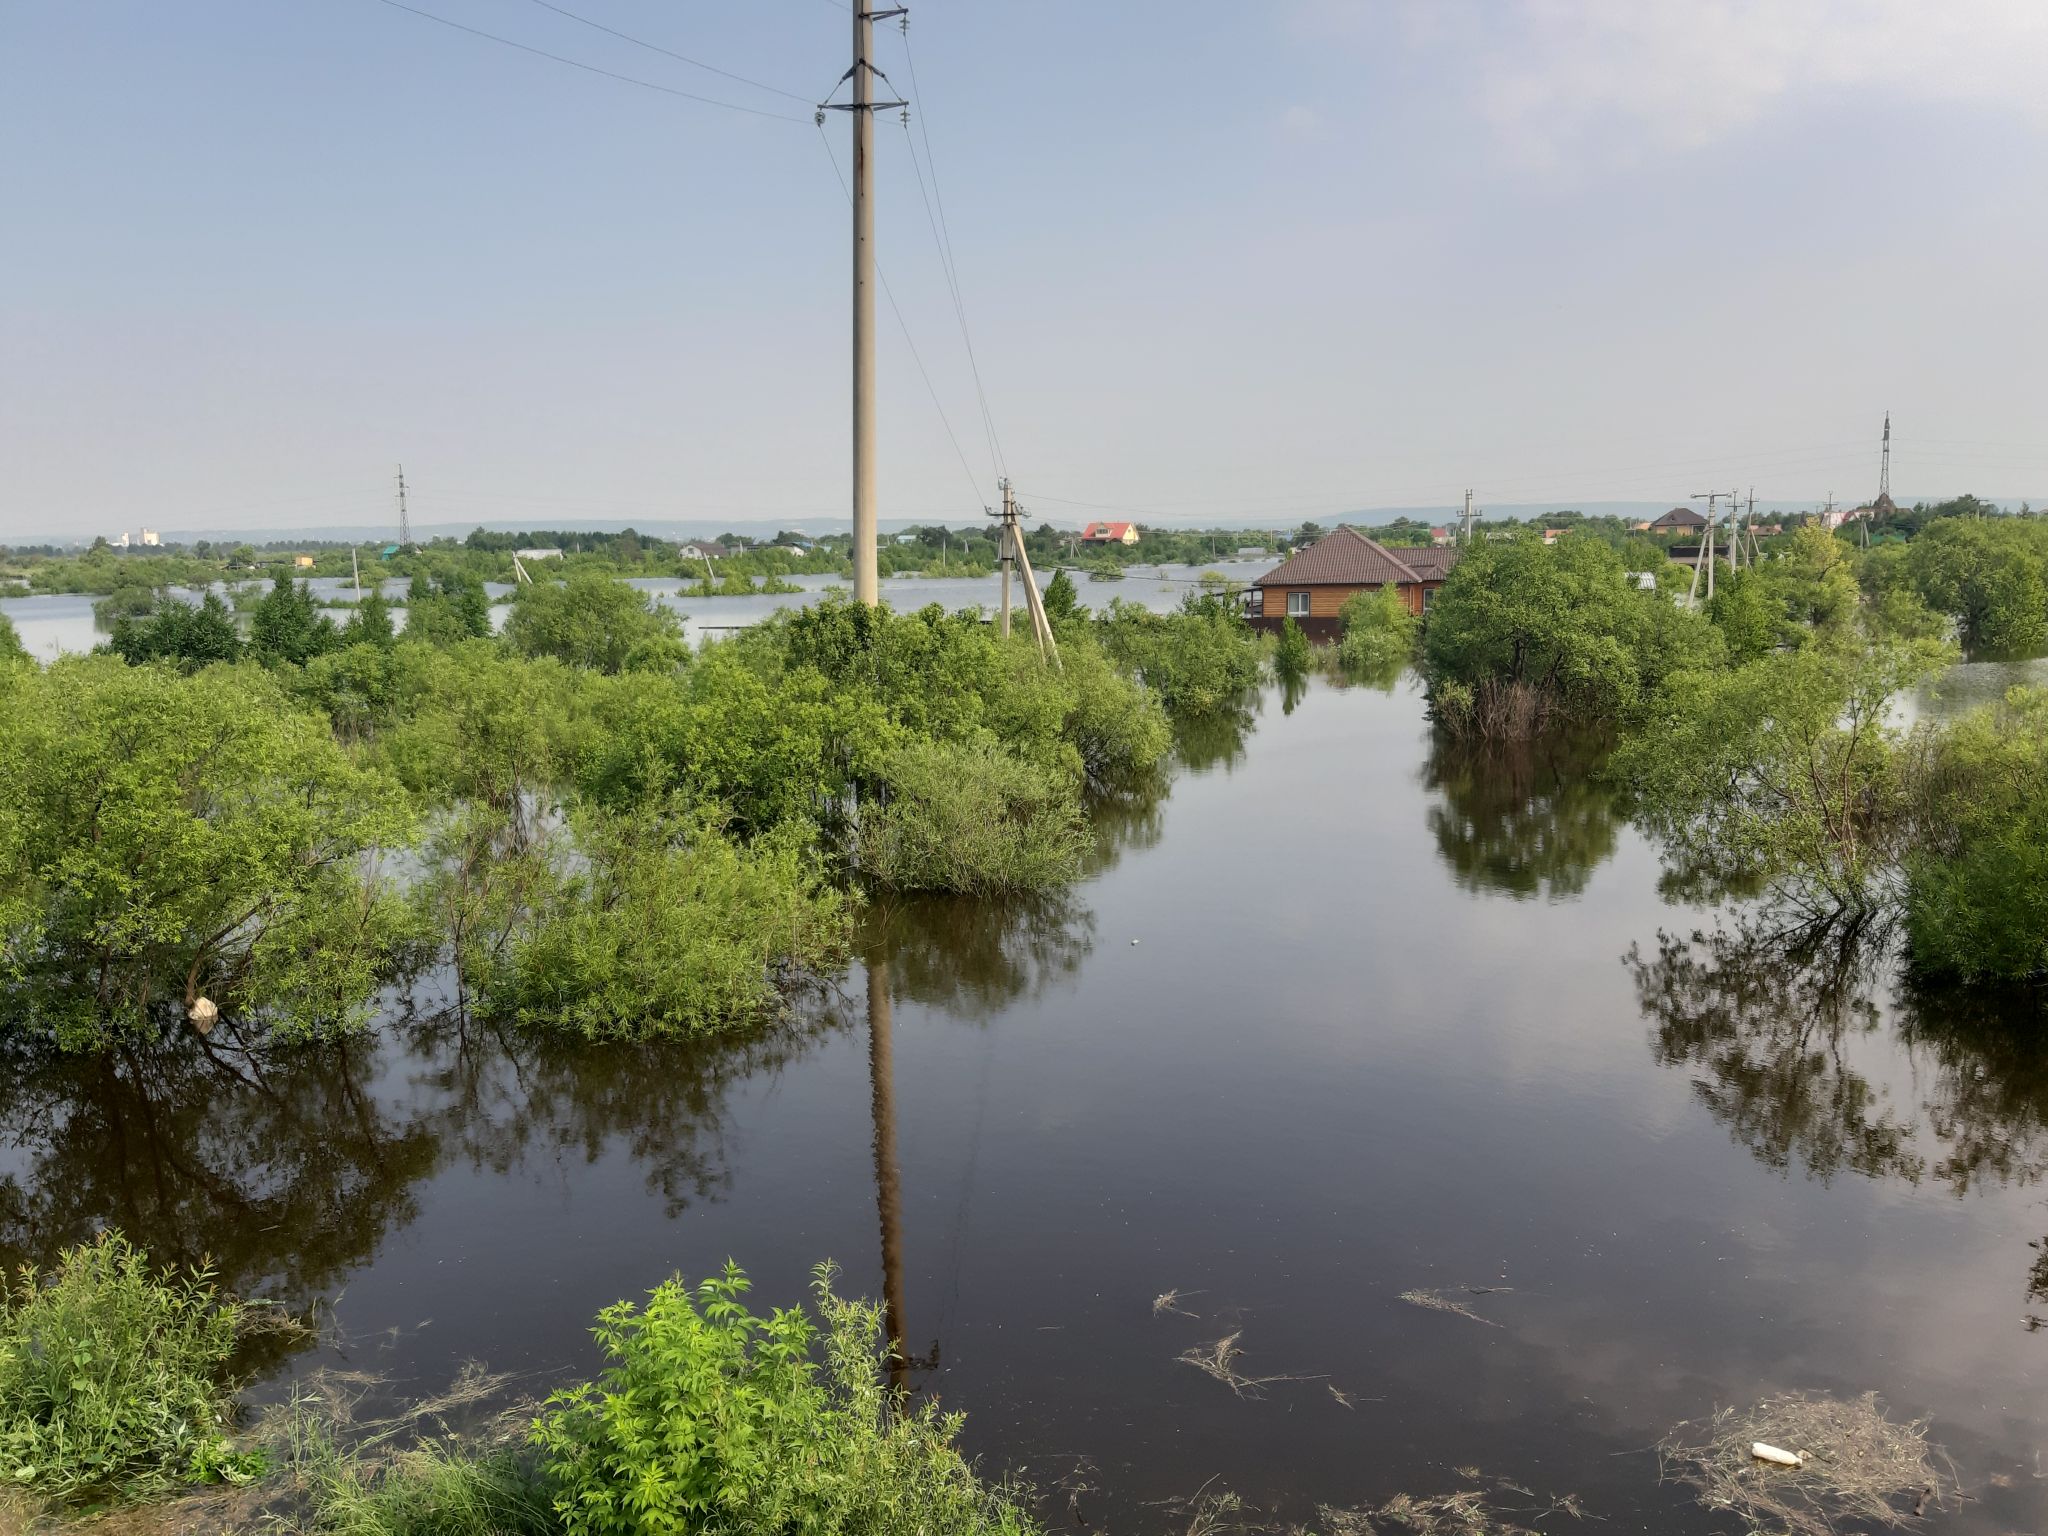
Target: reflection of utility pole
<point>888,1176</point>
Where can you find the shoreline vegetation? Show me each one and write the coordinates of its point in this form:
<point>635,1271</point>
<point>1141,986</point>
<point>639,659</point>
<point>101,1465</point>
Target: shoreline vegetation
<point>119,1387</point>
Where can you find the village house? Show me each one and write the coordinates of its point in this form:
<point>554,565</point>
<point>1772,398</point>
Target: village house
<point>701,549</point>
<point>1678,520</point>
<point>1110,533</point>
<point>1313,587</point>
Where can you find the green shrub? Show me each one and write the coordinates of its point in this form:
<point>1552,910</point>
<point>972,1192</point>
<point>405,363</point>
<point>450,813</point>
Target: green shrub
<point>1379,633</point>
<point>595,622</point>
<point>667,929</point>
<point>1977,868</point>
<point>11,648</point>
<point>112,1377</point>
<point>711,1419</point>
<point>1292,656</point>
<point>972,819</point>
<point>193,637</point>
<point>172,836</point>
<point>1199,660</point>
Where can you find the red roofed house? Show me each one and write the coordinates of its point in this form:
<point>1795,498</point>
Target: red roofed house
<point>1313,587</point>
<point>1110,533</point>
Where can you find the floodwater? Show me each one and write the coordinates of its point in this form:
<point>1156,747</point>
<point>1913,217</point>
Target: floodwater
<point>56,624</point>
<point>1340,1017</point>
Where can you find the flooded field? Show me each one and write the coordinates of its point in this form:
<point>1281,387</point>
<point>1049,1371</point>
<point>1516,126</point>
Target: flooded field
<point>59,623</point>
<point>1389,1063</point>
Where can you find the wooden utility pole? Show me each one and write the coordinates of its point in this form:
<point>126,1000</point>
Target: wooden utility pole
<point>867,585</point>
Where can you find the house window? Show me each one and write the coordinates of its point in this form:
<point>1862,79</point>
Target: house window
<point>1428,598</point>
<point>1257,609</point>
<point>1297,605</point>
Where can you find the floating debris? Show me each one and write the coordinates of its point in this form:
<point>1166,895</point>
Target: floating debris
<point>1441,1301</point>
<point>1170,1301</point>
<point>1219,1360</point>
<point>1801,1463</point>
<point>1465,1512</point>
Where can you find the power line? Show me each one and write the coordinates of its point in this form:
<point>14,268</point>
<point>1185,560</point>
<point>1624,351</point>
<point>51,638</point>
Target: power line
<point>943,234</point>
<point>681,58</point>
<point>609,74</point>
<point>904,325</point>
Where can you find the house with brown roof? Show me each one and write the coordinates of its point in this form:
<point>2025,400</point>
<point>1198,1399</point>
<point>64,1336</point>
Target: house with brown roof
<point>1679,520</point>
<point>1313,587</point>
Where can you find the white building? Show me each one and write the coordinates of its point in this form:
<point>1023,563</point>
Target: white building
<point>151,539</point>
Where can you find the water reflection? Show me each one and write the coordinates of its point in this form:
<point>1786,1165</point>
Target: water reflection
<point>1527,820</point>
<point>281,1166</point>
<point>976,958</point>
<point>1217,739</point>
<point>1762,1020</point>
<point>1769,1023</point>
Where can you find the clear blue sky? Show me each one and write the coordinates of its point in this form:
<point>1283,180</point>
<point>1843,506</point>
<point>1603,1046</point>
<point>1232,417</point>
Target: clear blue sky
<point>1228,261</point>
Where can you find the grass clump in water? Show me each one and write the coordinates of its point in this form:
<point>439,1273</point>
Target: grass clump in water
<point>712,1418</point>
<point>113,1377</point>
<point>1857,1464</point>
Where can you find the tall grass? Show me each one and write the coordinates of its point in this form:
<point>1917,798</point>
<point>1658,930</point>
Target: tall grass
<point>113,1377</point>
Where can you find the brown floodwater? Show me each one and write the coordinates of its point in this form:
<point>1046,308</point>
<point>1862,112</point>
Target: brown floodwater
<point>1336,1018</point>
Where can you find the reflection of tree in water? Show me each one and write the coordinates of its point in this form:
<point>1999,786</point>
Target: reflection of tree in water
<point>506,1095</point>
<point>281,1164</point>
<point>976,958</point>
<point>1526,819</point>
<point>1216,739</point>
<point>1762,1018</point>
<point>1128,818</point>
<point>1763,1028</point>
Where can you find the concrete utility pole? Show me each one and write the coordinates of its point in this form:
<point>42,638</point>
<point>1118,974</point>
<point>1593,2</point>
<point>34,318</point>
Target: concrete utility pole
<point>1468,525</point>
<point>1003,552</point>
<point>867,584</point>
<point>1706,550</point>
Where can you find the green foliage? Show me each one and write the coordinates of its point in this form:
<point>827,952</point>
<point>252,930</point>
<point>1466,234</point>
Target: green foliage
<point>1990,575</point>
<point>1781,771</point>
<point>1977,870</point>
<point>370,624</point>
<point>595,622</point>
<point>430,1489</point>
<point>1200,660</point>
<point>448,611</point>
<point>663,927</point>
<point>169,836</point>
<point>1292,656</point>
<point>112,1377</point>
<point>1379,633</point>
<point>1524,633</point>
<point>187,636</point>
<point>712,1419</point>
<point>11,648</point>
<point>131,599</point>
<point>969,818</point>
<point>1062,600</point>
<point>288,626</point>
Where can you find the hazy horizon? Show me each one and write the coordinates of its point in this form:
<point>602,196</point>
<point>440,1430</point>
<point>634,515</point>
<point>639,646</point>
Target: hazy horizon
<point>1222,265</point>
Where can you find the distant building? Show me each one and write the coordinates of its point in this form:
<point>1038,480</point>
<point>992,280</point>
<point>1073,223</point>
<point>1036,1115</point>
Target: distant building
<point>121,542</point>
<point>1110,533</point>
<point>1552,535</point>
<point>303,562</point>
<point>1679,520</point>
<point>701,549</point>
<point>151,539</point>
<point>1313,587</point>
<point>1439,537</point>
<point>537,554</point>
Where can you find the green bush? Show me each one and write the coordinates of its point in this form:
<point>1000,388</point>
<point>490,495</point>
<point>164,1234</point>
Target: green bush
<point>595,622</point>
<point>1292,656</point>
<point>972,819</point>
<point>1379,633</point>
<point>112,1377</point>
<point>712,1419</point>
<point>171,836</point>
<point>1199,660</point>
<point>1977,869</point>
<point>11,648</point>
<point>191,636</point>
<point>430,1489</point>
<point>667,929</point>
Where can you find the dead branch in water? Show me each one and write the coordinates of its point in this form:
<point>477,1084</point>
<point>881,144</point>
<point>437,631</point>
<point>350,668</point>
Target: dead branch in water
<point>1219,1360</point>
<point>1170,1301</point>
<point>1437,1301</point>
